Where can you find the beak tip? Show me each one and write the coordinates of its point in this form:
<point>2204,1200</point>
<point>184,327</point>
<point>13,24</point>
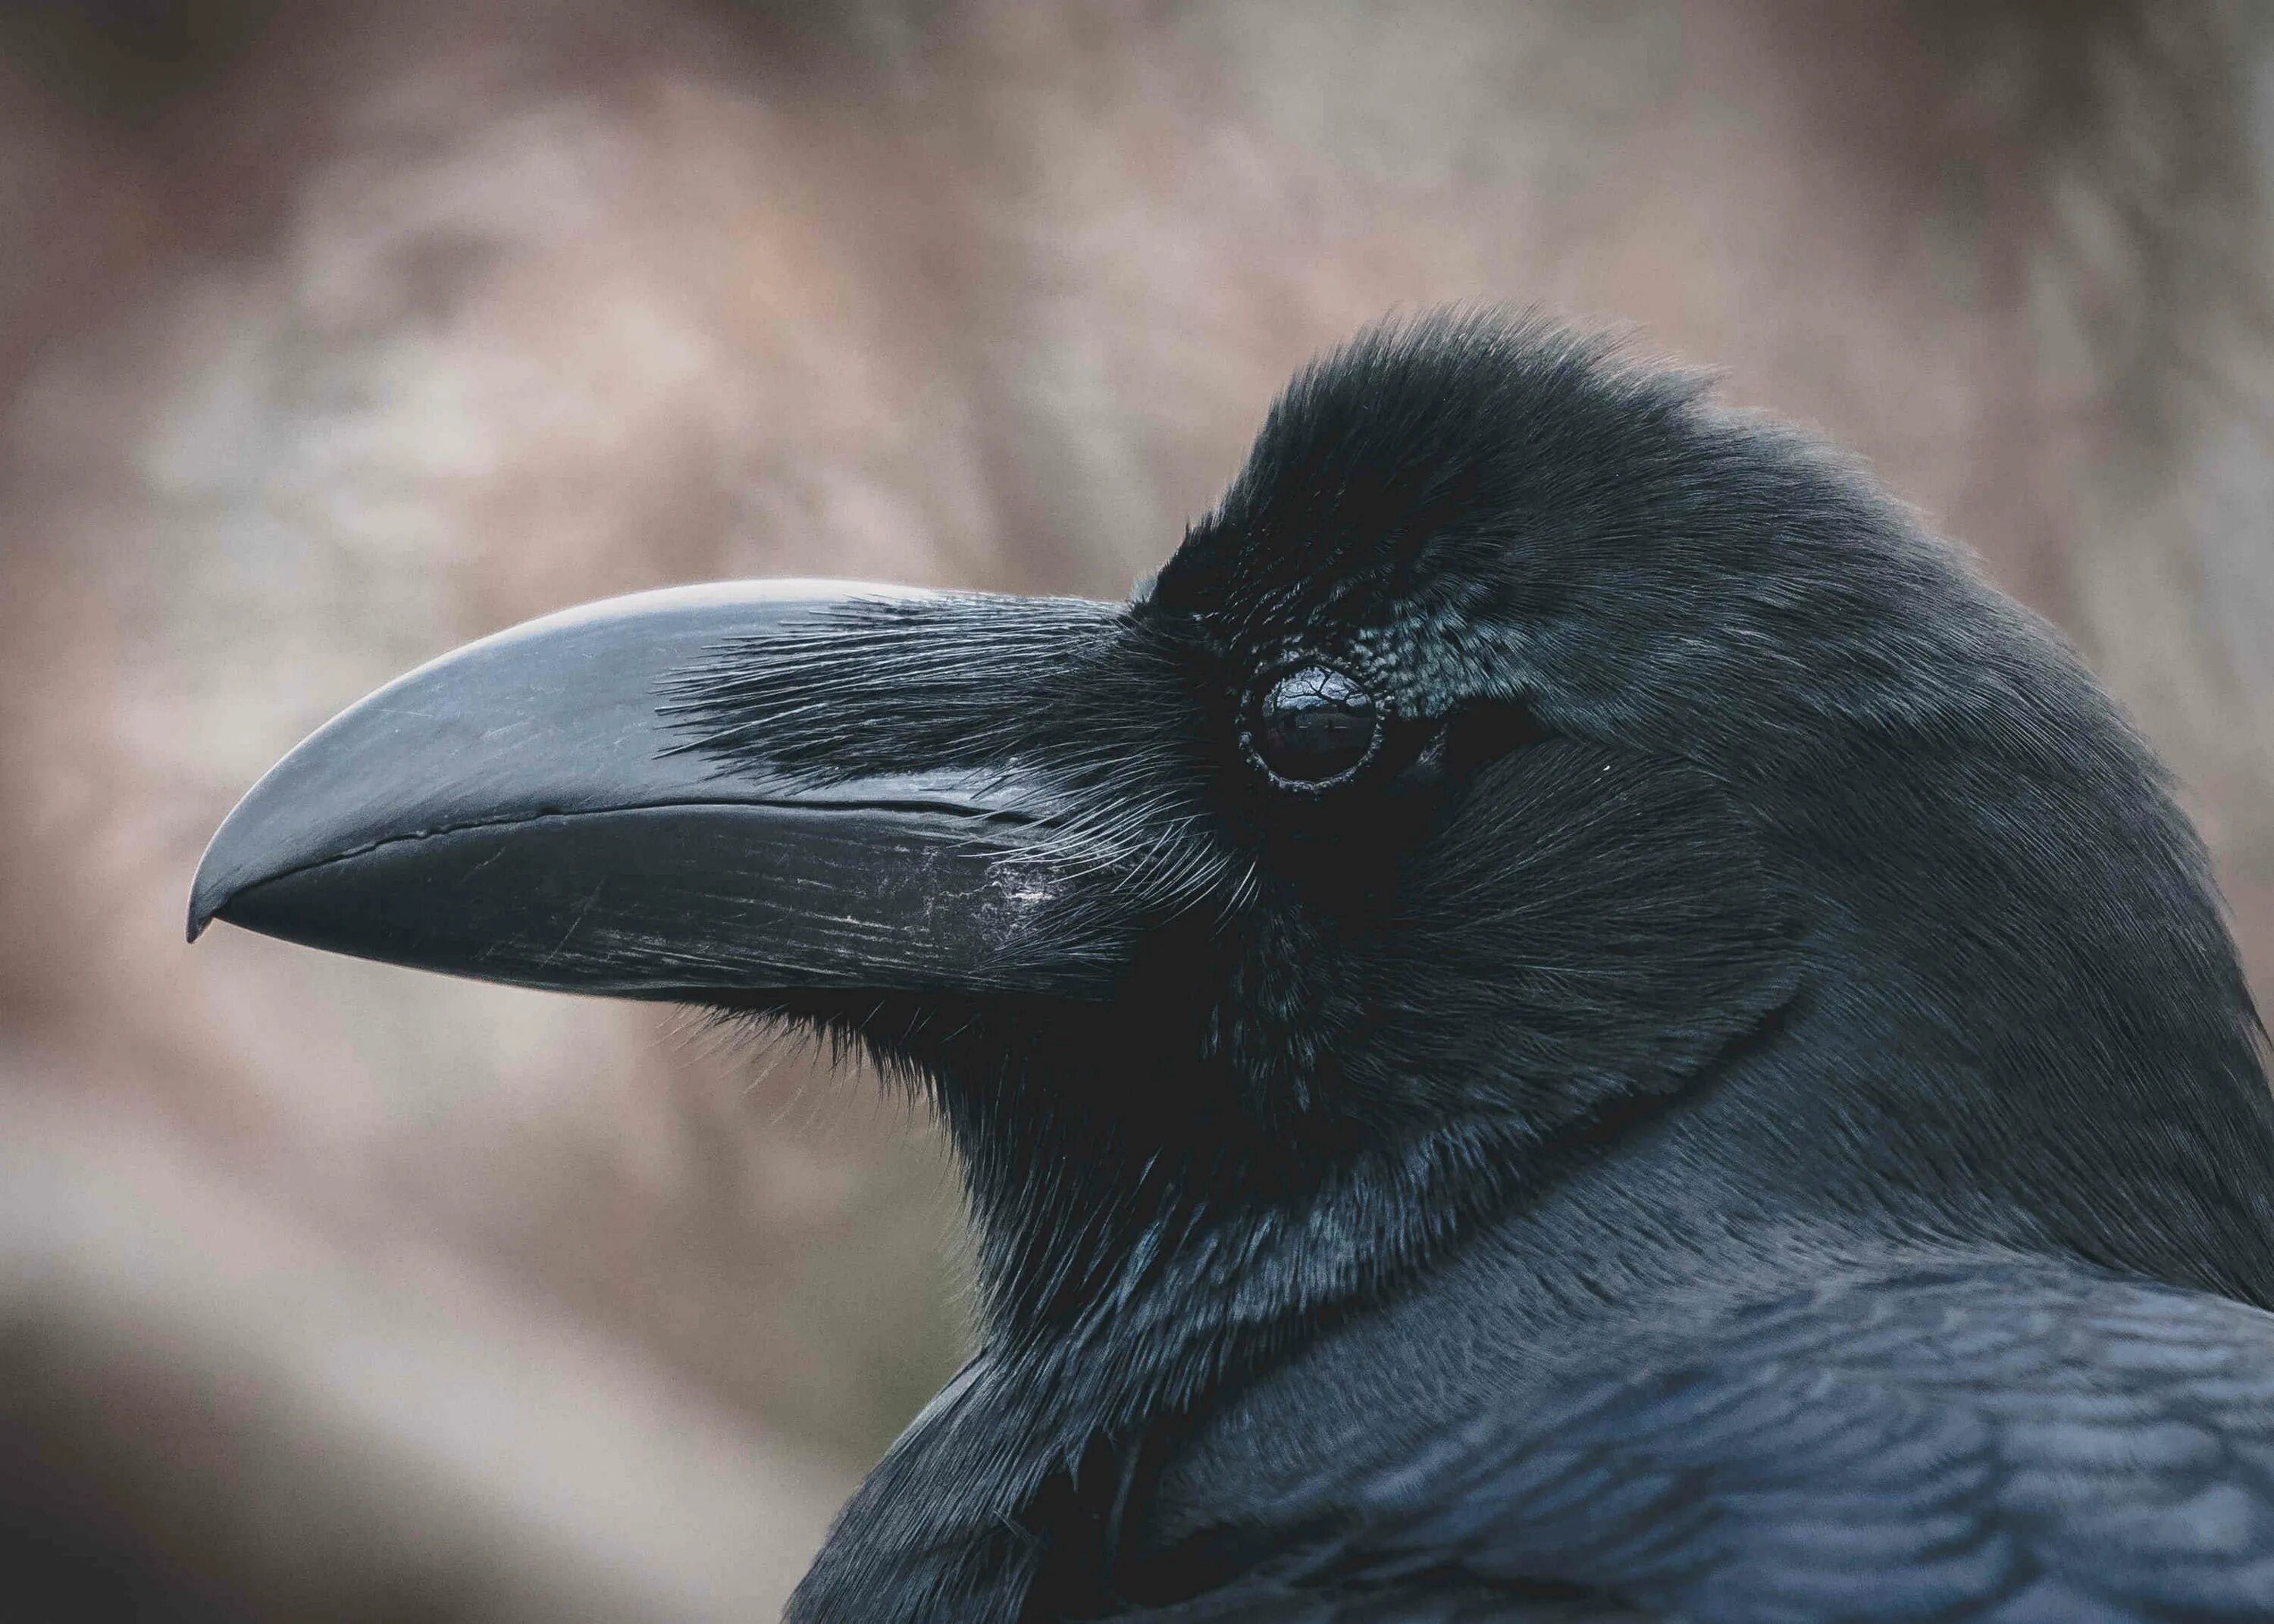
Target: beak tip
<point>222,877</point>
<point>206,900</point>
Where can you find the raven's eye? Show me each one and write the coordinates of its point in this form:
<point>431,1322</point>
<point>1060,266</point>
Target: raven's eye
<point>1314,728</point>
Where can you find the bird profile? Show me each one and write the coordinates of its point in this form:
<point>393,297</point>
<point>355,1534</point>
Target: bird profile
<point>1567,1017</point>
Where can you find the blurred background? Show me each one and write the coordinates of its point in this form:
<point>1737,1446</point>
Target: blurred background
<point>332,335</point>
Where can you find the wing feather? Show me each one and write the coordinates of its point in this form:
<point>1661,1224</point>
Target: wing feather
<point>2010,1441</point>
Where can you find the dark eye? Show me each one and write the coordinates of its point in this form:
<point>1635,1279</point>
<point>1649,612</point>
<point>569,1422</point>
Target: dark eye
<point>1314,728</point>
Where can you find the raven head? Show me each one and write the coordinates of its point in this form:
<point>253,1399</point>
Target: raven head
<point>1523,759</point>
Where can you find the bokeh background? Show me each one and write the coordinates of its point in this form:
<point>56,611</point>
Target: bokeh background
<point>332,335</point>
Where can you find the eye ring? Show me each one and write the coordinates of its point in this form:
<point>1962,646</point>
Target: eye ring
<point>1310,727</point>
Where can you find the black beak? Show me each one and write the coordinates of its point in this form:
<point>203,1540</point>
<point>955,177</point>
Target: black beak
<point>532,809</point>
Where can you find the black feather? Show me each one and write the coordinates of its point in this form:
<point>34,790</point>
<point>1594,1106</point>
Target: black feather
<point>1745,1108</point>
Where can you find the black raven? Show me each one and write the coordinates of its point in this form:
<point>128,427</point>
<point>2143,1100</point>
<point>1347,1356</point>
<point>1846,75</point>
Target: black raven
<point>1565,1018</point>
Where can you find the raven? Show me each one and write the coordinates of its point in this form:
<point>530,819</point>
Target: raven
<point>1566,1017</point>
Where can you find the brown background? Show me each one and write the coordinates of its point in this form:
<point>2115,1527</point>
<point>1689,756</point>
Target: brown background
<point>334,334</point>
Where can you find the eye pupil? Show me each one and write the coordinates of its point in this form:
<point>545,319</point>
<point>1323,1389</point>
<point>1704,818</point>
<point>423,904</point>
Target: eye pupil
<point>1314,726</point>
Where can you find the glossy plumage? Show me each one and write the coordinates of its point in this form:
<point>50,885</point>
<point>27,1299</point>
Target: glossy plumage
<point>2004,1440</point>
<point>1813,988</point>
